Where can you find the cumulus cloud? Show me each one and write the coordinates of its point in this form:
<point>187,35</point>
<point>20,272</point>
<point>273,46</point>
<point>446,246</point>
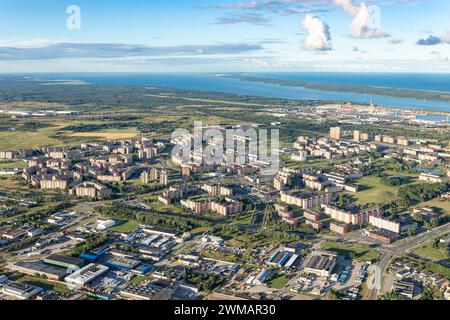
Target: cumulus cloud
<point>365,24</point>
<point>430,41</point>
<point>348,6</point>
<point>319,37</point>
<point>434,40</point>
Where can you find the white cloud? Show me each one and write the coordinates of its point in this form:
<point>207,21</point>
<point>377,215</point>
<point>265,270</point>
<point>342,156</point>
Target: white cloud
<point>319,38</point>
<point>348,6</point>
<point>446,37</point>
<point>396,41</point>
<point>434,40</point>
<point>27,43</point>
<point>45,50</point>
<point>438,56</point>
<point>365,23</point>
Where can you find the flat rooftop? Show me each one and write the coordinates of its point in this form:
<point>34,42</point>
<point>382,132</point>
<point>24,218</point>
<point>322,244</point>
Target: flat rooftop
<point>139,291</point>
<point>122,262</point>
<point>384,233</point>
<point>19,288</point>
<point>39,266</point>
<point>88,273</point>
<point>151,229</point>
<point>64,259</point>
<point>321,262</point>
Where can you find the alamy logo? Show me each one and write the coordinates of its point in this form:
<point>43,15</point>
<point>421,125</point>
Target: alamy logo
<point>374,22</point>
<point>215,146</point>
<point>74,20</point>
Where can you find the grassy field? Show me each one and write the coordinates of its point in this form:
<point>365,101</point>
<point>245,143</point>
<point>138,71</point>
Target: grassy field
<point>220,256</point>
<point>140,279</point>
<point>355,252</point>
<point>61,131</point>
<point>12,184</point>
<point>50,135</point>
<point>438,268</point>
<point>243,219</point>
<point>19,140</point>
<point>406,174</point>
<point>162,208</point>
<point>427,251</point>
<point>33,105</point>
<point>438,203</point>
<point>200,230</point>
<point>125,227</point>
<point>278,282</point>
<point>12,164</point>
<point>44,284</point>
<point>374,191</point>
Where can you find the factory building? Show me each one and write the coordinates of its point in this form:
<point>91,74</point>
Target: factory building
<point>86,275</point>
<point>64,261</point>
<point>19,290</point>
<point>321,263</point>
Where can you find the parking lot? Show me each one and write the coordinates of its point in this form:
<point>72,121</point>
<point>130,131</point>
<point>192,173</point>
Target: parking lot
<point>346,279</point>
<point>349,275</point>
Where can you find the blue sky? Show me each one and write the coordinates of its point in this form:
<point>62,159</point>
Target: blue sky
<point>225,35</point>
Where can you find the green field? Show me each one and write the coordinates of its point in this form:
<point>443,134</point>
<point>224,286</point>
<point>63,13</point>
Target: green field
<point>245,218</point>
<point>125,227</point>
<point>51,135</point>
<point>427,251</point>
<point>12,164</point>
<point>18,139</point>
<point>200,230</point>
<point>159,207</point>
<point>278,282</point>
<point>44,284</point>
<point>406,174</point>
<point>220,256</point>
<point>13,184</point>
<point>354,252</point>
<point>438,203</point>
<point>374,191</point>
<point>140,279</point>
<point>438,268</point>
<point>434,267</point>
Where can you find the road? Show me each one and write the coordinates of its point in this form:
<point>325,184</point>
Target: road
<point>398,248</point>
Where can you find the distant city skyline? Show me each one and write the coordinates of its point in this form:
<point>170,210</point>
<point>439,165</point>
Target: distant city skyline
<point>225,36</point>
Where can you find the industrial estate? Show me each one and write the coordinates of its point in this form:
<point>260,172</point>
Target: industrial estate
<point>357,208</point>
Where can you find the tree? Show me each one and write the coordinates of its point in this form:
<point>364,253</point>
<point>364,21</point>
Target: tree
<point>332,295</point>
<point>434,223</point>
<point>344,199</point>
<point>431,293</point>
<point>412,194</point>
<point>391,296</point>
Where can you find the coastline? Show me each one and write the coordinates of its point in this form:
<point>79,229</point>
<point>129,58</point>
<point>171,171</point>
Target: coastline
<point>322,86</point>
